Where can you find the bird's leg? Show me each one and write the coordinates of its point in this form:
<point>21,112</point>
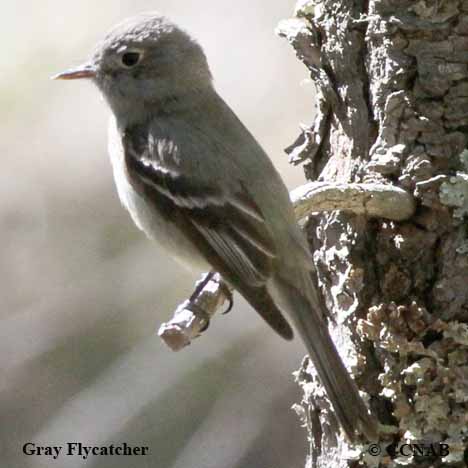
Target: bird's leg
<point>200,285</point>
<point>225,290</point>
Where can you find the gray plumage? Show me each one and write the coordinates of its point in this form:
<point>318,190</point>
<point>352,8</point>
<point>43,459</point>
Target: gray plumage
<point>195,179</point>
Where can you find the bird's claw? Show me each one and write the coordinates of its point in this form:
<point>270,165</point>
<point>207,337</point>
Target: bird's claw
<point>228,295</point>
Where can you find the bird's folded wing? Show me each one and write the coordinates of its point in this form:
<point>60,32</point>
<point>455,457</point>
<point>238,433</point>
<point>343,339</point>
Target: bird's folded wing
<point>226,226</point>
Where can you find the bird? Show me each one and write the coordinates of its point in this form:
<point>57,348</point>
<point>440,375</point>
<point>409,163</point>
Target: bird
<point>194,179</point>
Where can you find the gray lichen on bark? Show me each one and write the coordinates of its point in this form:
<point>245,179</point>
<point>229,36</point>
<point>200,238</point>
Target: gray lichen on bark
<point>392,108</point>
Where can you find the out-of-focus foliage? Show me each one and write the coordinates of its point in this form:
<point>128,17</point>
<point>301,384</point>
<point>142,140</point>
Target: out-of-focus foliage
<point>82,291</point>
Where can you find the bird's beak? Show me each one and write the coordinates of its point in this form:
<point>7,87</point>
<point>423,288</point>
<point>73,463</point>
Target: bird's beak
<point>86,70</point>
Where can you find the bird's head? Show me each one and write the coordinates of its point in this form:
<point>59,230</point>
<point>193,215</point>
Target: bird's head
<point>145,60</point>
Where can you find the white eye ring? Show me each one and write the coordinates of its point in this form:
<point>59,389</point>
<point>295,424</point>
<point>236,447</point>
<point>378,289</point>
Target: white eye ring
<point>130,58</point>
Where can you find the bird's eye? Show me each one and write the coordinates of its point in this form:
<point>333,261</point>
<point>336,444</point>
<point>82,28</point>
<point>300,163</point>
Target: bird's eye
<point>130,59</point>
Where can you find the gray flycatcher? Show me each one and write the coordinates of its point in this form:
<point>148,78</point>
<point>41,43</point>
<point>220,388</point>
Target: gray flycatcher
<point>195,179</point>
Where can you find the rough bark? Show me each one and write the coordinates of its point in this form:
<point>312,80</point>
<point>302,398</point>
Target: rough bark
<point>392,108</point>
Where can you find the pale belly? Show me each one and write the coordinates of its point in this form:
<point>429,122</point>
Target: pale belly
<point>147,219</point>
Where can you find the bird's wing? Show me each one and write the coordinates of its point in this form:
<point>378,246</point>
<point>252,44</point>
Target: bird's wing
<point>226,225</point>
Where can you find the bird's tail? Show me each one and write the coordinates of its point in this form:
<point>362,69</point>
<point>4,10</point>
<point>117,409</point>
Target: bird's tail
<point>349,407</point>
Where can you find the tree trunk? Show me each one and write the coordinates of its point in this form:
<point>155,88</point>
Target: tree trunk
<point>392,108</point>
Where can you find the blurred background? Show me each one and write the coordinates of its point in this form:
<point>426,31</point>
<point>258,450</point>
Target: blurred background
<point>83,291</point>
